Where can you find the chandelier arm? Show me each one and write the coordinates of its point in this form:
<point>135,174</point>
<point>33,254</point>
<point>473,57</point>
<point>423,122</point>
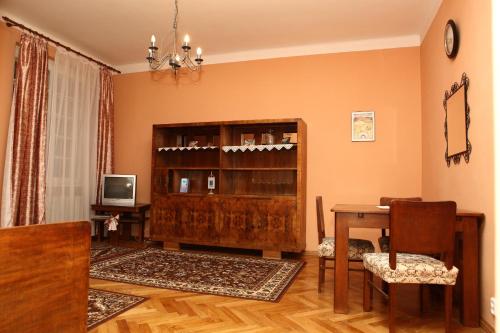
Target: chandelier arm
<point>158,63</point>
<point>165,59</point>
<point>189,63</point>
<point>192,66</point>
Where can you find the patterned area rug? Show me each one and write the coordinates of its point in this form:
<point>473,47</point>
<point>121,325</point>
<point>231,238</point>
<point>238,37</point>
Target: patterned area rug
<point>104,251</point>
<point>245,277</point>
<point>104,305</point>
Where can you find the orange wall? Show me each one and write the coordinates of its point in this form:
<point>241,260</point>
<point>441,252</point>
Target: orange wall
<point>321,89</point>
<point>8,39</point>
<point>470,185</point>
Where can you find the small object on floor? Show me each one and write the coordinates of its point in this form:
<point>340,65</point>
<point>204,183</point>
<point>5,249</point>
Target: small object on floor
<point>112,222</point>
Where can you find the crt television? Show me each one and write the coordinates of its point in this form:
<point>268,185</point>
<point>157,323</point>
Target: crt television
<point>118,190</point>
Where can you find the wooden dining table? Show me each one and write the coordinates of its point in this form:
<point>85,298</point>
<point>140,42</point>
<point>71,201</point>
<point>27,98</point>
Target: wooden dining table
<point>371,216</point>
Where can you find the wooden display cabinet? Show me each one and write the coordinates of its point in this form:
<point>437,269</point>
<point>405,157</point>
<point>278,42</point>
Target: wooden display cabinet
<point>259,198</point>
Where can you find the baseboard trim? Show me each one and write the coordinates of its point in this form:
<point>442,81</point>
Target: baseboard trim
<point>486,326</point>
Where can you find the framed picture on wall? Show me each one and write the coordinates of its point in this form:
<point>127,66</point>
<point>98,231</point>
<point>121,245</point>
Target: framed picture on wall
<point>363,126</point>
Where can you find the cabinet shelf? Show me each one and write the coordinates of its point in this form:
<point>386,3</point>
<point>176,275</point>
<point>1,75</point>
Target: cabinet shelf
<point>261,169</point>
<point>187,148</point>
<point>193,168</point>
<point>257,148</point>
<point>255,196</point>
<point>248,196</point>
<point>193,194</point>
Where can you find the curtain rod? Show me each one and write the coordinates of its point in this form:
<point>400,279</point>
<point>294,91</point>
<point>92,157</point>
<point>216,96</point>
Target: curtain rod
<point>10,23</point>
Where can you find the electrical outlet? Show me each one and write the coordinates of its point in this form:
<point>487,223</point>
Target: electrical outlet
<point>492,306</point>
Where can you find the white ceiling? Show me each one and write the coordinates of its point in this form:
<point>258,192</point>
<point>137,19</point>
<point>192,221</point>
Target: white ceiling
<point>118,31</point>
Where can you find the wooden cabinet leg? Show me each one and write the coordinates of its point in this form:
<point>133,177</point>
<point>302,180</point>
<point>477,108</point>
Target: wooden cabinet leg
<point>142,224</point>
<point>171,246</point>
<point>271,254</point>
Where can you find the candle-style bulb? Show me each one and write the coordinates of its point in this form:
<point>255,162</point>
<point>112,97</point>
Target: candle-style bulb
<point>186,39</point>
<point>153,40</point>
<point>198,52</point>
<point>177,58</point>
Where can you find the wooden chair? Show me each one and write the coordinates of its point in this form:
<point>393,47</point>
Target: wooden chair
<point>418,230</point>
<point>384,240</point>
<point>326,246</point>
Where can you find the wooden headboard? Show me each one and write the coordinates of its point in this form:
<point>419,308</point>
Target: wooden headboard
<point>44,278</point>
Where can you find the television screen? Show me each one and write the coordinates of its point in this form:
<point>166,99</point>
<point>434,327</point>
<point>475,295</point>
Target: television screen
<point>118,190</point>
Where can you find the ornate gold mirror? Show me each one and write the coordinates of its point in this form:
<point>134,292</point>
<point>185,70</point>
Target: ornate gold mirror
<point>456,125</point>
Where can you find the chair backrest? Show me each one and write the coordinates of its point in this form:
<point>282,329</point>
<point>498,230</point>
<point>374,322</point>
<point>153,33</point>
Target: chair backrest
<point>423,228</point>
<point>320,219</point>
<point>386,201</point>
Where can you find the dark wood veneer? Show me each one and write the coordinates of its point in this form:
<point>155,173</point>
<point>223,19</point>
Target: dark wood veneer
<point>259,200</point>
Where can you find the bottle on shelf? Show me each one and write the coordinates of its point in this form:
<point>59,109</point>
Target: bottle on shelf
<point>211,183</point>
<point>268,138</point>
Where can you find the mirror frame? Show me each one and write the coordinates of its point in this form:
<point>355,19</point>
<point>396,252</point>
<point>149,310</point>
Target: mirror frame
<point>447,95</point>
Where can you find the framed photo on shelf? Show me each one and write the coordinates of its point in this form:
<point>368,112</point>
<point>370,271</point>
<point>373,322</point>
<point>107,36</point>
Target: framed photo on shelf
<point>247,139</point>
<point>184,186</point>
<point>289,138</point>
<point>363,126</point>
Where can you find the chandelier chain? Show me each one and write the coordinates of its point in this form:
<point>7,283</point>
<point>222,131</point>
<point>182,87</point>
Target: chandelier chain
<point>176,13</point>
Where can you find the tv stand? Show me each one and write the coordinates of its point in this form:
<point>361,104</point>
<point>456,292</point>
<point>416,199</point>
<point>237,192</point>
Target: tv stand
<point>128,215</point>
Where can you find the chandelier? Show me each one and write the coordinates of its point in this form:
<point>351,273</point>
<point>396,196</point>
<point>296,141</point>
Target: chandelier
<point>174,58</point>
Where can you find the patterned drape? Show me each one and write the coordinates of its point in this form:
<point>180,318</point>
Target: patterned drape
<point>24,175</point>
<point>105,130</point>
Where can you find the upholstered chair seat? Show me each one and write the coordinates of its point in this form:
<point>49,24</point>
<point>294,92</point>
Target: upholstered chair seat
<point>357,247</point>
<point>410,268</point>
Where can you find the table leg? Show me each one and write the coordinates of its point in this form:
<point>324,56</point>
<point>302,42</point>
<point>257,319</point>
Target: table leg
<point>99,226</point>
<point>143,222</point>
<point>469,307</point>
<point>341,282</point>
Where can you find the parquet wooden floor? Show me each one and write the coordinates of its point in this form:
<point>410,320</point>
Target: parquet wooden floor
<point>301,309</point>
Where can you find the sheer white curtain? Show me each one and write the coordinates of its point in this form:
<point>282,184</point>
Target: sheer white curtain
<point>72,138</point>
